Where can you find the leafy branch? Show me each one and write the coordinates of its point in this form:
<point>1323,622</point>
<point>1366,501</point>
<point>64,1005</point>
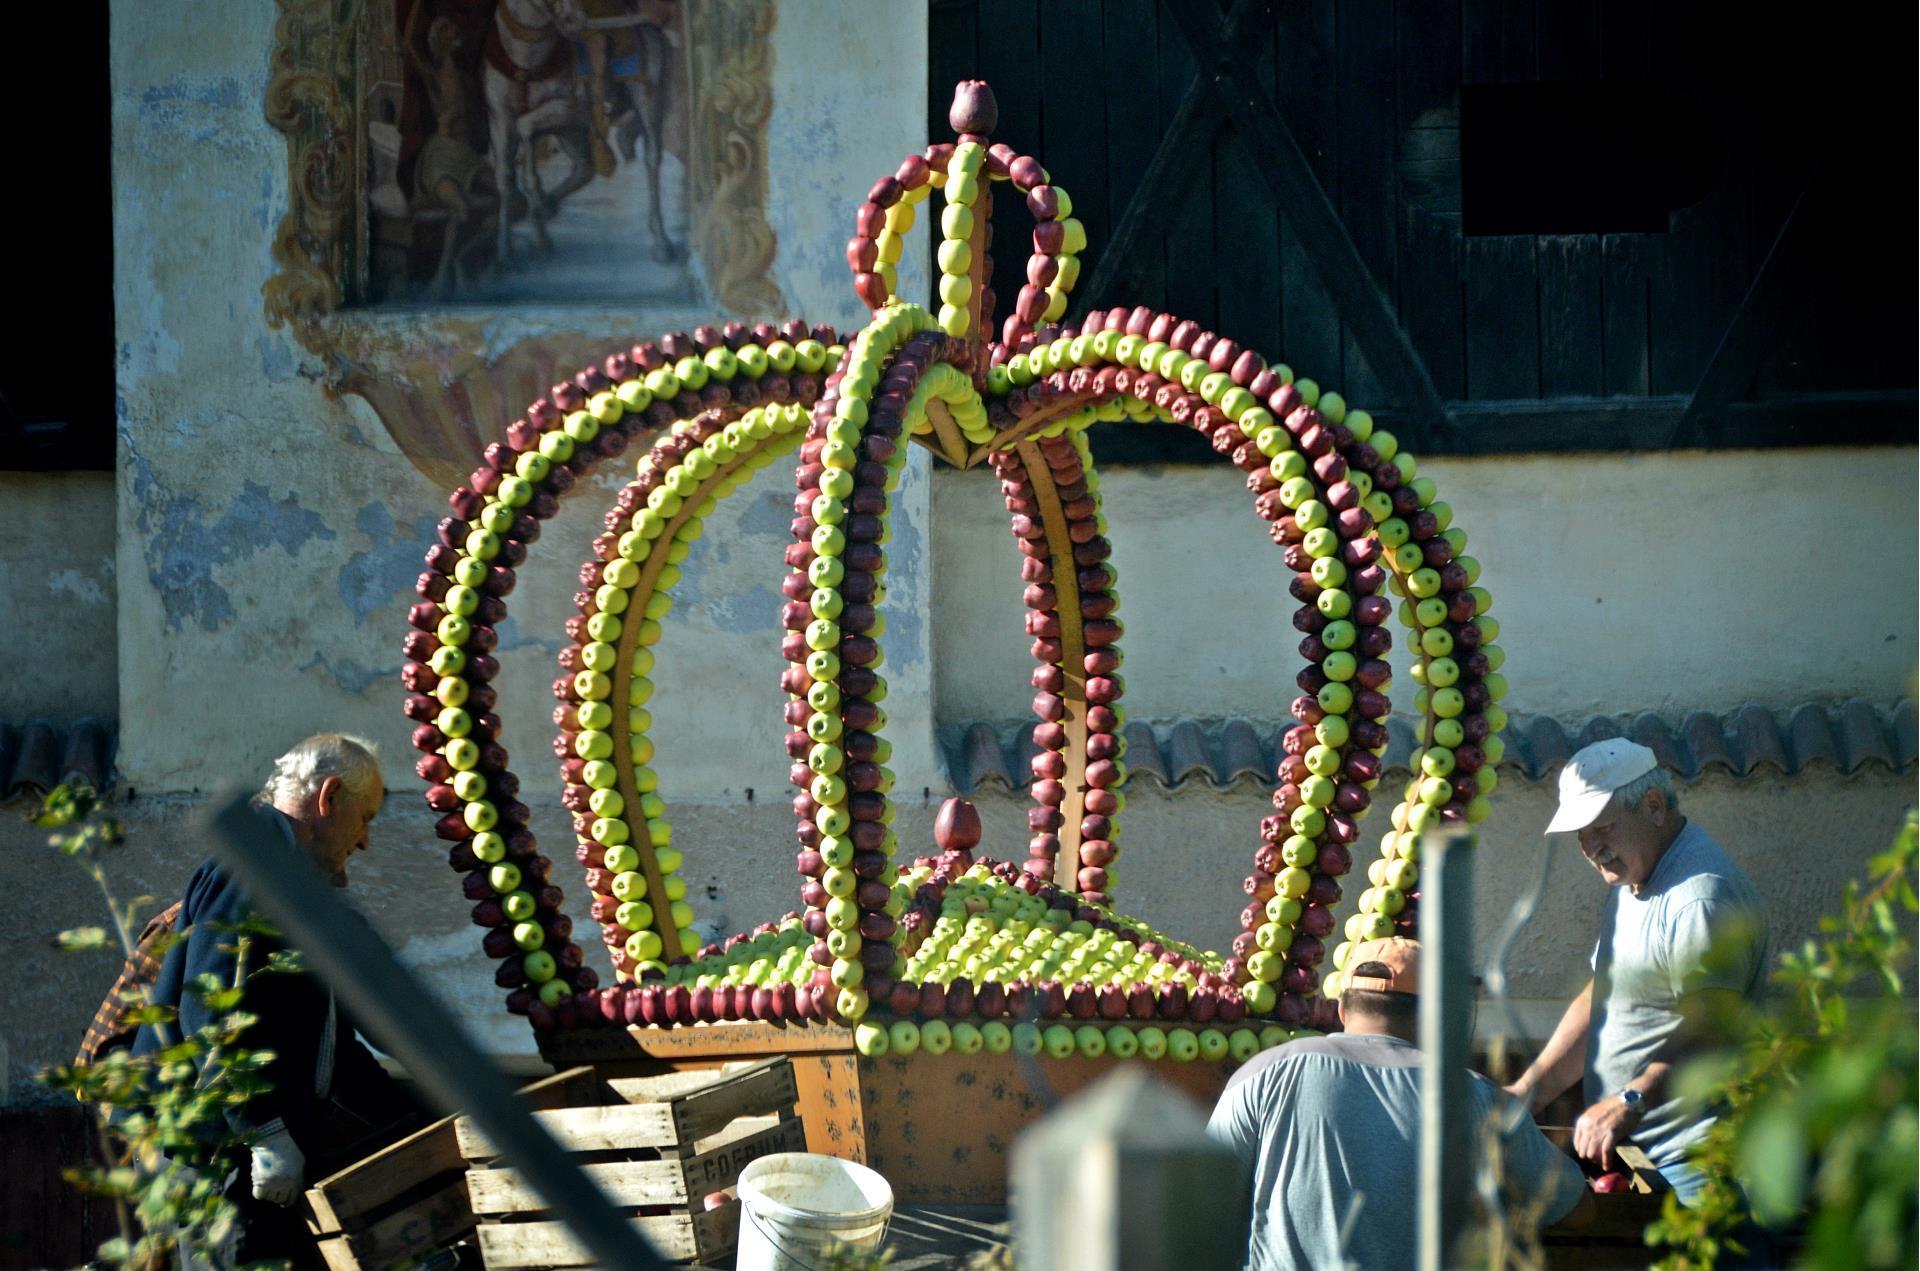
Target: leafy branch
<point>1819,1094</point>
<point>165,1139</point>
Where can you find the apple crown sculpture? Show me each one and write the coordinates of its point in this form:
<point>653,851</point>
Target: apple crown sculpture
<point>949,937</point>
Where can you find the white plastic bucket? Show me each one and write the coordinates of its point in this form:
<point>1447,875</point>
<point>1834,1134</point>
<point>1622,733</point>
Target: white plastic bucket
<point>796,1206</point>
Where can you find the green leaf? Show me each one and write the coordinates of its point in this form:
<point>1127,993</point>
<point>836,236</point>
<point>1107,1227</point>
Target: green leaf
<point>151,1014</point>
<point>1773,1159</point>
<point>81,940</point>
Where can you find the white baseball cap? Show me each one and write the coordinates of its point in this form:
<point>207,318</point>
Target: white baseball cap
<point>1589,779</point>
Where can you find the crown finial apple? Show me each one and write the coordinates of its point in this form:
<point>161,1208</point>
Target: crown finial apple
<point>956,827</point>
<point>974,109</point>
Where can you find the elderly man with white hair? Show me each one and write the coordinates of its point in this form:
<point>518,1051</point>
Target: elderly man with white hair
<point>327,1092</point>
<point>1682,943</point>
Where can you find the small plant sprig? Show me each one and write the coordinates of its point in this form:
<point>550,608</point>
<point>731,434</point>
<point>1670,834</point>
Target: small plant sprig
<point>166,1143</point>
<point>1820,1094</point>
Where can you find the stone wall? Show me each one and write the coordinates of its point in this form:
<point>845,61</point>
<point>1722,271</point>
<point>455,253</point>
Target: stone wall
<point>57,581</point>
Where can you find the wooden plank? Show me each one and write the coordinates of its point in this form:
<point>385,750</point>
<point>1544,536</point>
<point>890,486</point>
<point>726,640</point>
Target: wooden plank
<point>1700,291</point>
<point>1246,226</point>
<point>1310,330</point>
<point>1427,108</point>
<point>434,1221</point>
<point>668,1181</point>
<point>1133,118</point>
<point>751,1092</point>
<point>369,1184</point>
<point>723,1041</point>
<point>1626,296</point>
<point>675,1237</point>
<point>831,1105</point>
<point>951,57</point>
<point>953,444</point>
<point>1758,323</point>
<point>1433,303</point>
<point>1570,316</point>
<point>1571,425</point>
<point>1072,664</point>
<point>604,1129</point>
<point>667,1086</point>
<point>1186,229</point>
<point>565,1089</point>
<point>1126,262</point>
<point>1502,317</point>
<point>1289,175</point>
<point>1365,94</point>
<point>1497,41</point>
<point>1073,128</point>
<point>717,1163</point>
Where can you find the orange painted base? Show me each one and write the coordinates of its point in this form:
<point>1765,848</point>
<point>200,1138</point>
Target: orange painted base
<point>938,1127</point>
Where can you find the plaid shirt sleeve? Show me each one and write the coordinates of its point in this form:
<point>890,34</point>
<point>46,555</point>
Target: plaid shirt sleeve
<point>141,969</point>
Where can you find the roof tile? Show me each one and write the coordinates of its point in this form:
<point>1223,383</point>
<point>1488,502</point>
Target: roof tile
<point>1222,752</point>
<point>36,756</point>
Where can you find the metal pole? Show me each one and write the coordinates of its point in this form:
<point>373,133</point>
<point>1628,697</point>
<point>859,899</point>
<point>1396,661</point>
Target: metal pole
<point>412,1025</point>
<point>1446,991</point>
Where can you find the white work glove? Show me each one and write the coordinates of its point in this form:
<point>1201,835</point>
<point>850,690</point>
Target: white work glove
<point>278,1166</point>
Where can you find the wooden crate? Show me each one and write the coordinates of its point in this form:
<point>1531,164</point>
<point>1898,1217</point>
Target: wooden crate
<point>658,1145</point>
<point>410,1197</point>
<point>937,1127</point>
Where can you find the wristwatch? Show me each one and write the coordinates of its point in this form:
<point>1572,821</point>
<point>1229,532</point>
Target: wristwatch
<point>1635,1101</point>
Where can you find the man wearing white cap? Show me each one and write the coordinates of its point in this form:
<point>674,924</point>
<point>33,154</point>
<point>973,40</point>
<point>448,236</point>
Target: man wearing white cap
<point>1682,942</point>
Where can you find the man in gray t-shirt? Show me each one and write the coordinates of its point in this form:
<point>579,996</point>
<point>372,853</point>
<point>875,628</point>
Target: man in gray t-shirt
<point>1682,944</point>
<point>1330,1128</point>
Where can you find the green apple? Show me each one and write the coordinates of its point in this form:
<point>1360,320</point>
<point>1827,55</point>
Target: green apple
<point>998,1038</point>
<point>1122,1043</point>
<point>1090,1041</point>
<point>1274,1035</point>
<point>1027,1039</point>
<point>1214,1045</point>
<point>1153,1042</point>
<point>967,1039</point>
<point>936,1037</point>
<point>1182,1045</point>
<point>903,1037</point>
<point>539,966</point>
<point>1058,1040</point>
<point>871,1040</point>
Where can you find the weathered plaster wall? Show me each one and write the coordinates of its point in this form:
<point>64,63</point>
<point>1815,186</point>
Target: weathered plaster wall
<point>269,532</point>
<point>1671,582</point>
<point>57,596</point>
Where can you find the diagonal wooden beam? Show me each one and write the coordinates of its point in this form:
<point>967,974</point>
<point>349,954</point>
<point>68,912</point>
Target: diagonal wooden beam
<point>1748,337</point>
<point>1189,135</point>
<point>1283,166</point>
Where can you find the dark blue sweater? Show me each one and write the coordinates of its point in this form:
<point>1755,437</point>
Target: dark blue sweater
<point>313,1067</point>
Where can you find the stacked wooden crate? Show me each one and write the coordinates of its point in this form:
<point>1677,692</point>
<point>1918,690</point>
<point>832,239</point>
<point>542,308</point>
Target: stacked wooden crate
<point>663,1148</point>
<point>410,1198</point>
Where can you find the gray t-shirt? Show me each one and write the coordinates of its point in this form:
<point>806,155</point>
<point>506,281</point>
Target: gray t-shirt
<point>1696,924</point>
<point>1331,1127</point>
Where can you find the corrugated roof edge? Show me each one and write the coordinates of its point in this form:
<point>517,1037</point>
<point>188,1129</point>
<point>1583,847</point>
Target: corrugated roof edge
<point>1748,741</point>
<point>36,756</point>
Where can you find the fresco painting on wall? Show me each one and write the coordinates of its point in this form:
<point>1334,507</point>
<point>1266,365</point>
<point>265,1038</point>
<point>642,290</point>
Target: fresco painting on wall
<point>570,114</point>
<point>452,161</point>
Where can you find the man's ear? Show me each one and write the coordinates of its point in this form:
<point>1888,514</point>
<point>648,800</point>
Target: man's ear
<point>1342,1006</point>
<point>1659,811</point>
<point>326,800</point>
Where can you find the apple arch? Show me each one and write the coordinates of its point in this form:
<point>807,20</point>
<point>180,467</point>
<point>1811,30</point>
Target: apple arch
<point>1346,506</point>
